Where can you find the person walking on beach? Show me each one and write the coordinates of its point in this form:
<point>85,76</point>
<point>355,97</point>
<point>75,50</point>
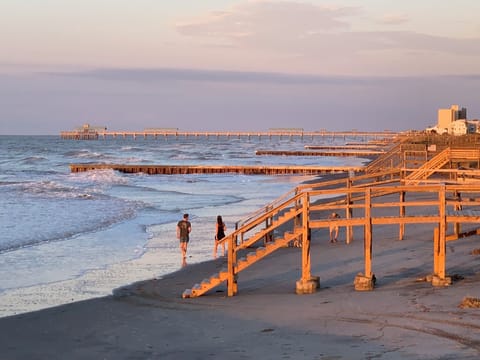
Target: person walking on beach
<point>220,229</point>
<point>183,231</point>
<point>333,227</point>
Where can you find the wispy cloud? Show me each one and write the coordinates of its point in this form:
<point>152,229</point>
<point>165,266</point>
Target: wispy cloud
<point>239,77</point>
<point>394,19</point>
<point>267,19</point>
<point>309,30</point>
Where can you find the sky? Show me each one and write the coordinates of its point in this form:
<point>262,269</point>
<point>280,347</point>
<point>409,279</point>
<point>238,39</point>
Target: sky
<point>236,64</point>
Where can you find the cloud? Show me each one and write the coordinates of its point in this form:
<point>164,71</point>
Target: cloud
<point>207,76</point>
<point>163,75</point>
<point>267,19</point>
<point>394,19</point>
<point>306,30</point>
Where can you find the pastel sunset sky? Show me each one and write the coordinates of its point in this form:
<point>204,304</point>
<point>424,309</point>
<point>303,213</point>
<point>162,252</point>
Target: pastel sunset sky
<point>236,64</point>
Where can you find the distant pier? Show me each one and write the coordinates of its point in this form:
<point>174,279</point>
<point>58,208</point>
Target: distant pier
<point>215,169</point>
<point>95,134</point>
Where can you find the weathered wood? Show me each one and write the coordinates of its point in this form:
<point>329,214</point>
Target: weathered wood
<point>306,274</point>
<point>401,231</point>
<point>214,169</point>
<point>442,246</point>
<point>346,147</point>
<point>368,233</point>
<point>436,250</point>
<point>363,153</point>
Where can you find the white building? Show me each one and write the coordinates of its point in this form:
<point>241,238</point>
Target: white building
<point>462,127</point>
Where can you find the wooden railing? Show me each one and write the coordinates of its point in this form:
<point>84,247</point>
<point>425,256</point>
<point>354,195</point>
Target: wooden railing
<point>429,167</point>
<point>365,201</point>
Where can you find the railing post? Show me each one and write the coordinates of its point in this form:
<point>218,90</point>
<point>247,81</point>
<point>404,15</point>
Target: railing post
<point>231,257</point>
<point>231,276</point>
<point>349,212</point>
<point>442,233</point>
<point>457,207</point>
<point>268,222</point>
<point>307,284</point>
<point>366,282</point>
<point>368,233</point>
<point>439,277</point>
<point>306,272</point>
<point>401,230</point>
<point>436,246</point>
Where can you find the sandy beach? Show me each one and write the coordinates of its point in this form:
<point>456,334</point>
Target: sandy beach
<point>402,318</point>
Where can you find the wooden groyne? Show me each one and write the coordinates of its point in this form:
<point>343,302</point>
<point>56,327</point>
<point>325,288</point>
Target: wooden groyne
<point>363,153</point>
<point>345,147</point>
<point>214,169</point>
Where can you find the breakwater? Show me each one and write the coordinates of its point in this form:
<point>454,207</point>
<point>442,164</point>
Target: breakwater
<point>214,169</point>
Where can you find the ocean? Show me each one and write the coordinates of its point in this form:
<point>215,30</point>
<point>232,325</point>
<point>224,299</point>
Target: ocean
<point>73,236</point>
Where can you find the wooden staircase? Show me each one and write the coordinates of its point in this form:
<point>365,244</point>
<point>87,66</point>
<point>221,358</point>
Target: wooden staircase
<point>251,258</point>
<point>391,159</point>
<point>279,217</point>
<point>429,167</point>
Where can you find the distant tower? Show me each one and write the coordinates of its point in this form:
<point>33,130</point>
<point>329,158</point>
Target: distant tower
<point>448,116</point>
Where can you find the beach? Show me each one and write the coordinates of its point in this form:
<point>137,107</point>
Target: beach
<point>404,317</point>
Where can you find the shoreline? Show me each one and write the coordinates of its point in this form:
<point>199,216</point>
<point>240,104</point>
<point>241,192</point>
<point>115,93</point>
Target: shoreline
<point>160,257</point>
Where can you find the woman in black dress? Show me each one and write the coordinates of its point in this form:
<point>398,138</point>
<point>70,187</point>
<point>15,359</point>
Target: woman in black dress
<point>220,229</point>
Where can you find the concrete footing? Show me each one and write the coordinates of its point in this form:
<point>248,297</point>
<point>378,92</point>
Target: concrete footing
<point>436,281</point>
<point>364,283</point>
<point>308,286</point>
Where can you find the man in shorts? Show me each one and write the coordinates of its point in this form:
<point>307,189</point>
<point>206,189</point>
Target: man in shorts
<point>183,231</point>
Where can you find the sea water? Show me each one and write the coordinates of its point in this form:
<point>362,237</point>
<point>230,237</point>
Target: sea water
<point>72,236</point>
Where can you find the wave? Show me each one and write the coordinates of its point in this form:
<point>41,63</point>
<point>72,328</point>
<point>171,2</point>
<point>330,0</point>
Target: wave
<point>132,148</point>
<point>33,160</point>
<point>41,221</point>
<point>50,189</point>
<point>87,154</point>
<point>106,177</point>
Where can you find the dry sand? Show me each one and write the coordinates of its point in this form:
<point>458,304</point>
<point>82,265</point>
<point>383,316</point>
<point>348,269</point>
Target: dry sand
<point>402,318</point>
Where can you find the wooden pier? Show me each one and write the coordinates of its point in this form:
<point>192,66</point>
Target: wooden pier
<point>87,134</point>
<point>214,169</point>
